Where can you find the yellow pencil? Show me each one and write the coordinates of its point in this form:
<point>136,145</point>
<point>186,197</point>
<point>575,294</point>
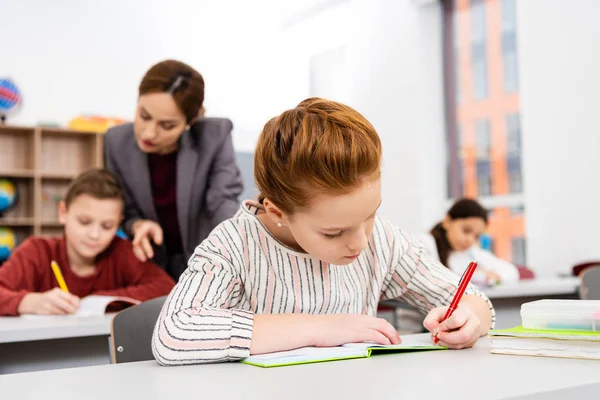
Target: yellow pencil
<point>59,277</point>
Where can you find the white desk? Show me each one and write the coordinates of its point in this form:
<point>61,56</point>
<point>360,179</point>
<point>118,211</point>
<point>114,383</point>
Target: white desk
<point>507,298</point>
<point>39,343</point>
<point>426,375</point>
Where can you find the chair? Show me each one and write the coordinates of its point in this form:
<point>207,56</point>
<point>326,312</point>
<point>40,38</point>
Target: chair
<point>131,331</point>
<point>590,284</point>
<point>525,273</point>
<point>579,268</point>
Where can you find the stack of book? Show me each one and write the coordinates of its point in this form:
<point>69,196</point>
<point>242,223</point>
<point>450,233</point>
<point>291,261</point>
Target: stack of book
<point>553,328</point>
<point>546,343</point>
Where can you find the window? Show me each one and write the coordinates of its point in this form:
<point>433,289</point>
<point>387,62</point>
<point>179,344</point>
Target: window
<point>482,140</point>
<point>518,251</point>
<point>484,182</point>
<point>509,46</point>
<point>484,178</point>
<point>456,50</point>
<point>461,176</point>
<point>515,184</point>
<point>513,153</point>
<point>518,210</point>
<point>513,135</point>
<point>478,49</point>
<point>486,121</point>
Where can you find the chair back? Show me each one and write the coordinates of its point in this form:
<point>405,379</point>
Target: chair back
<point>132,329</point>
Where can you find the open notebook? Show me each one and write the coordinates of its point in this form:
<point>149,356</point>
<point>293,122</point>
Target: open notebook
<point>306,355</point>
<point>546,343</point>
<point>96,305</point>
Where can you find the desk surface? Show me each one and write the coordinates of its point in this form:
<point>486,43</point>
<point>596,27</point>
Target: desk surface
<point>30,328</point>
<point>435,374</point>
<point>535,287</point>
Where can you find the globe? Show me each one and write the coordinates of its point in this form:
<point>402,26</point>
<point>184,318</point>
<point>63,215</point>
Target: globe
<point>8,194</point>
<point>10,97</point>
<point>8,241</point>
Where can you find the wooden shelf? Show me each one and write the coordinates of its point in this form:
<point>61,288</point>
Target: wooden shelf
<point>51,224</point>
<point>17,173</point>
<point>18,129</point>
<point>17,221</point>
<point>58,176</point>
<point>62,131</point>
<point>42,161</point>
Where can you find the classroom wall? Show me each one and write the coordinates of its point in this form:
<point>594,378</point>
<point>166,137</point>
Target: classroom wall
<point>559,84</point>
<point>255,63</point>
<point>73,58</point>
<point>392,73</point>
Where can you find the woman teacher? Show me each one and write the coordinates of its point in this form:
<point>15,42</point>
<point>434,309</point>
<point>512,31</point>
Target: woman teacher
<point>177,168</point>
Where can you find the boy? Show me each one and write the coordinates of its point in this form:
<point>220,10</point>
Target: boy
<point>92,259</point>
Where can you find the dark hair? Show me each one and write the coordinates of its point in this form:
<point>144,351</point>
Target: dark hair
<point>462,209</point>
<point>183,82</point>
<point>98,183</point>
<point>320,146</point>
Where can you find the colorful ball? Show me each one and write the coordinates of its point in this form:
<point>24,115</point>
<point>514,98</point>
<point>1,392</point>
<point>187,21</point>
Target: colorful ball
<point>8,241</point>
<point>8,194</point>
<point>9,96</point>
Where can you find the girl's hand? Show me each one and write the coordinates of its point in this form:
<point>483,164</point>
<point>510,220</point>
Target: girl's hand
<point>460,331</point>
<point>338,329</point>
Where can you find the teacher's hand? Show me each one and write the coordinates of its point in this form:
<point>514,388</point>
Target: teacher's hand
<point>143,231</point>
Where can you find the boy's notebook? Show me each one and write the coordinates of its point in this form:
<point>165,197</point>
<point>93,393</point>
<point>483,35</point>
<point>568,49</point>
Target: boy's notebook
<point>96,305</point>
<point>99,305</point>
<point>308,355</point>
<point>546,343</point>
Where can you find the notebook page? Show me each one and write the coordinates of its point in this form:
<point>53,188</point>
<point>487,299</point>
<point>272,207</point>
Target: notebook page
<point>548,348</point>
<point>304,355</point>
<point>96,305</point>
<point>408,342</point>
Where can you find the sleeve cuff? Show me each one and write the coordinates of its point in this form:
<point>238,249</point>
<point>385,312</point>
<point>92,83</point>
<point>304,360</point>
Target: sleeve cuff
<point>473,290</point>
<point>241,334</point>
<point>12,305</point>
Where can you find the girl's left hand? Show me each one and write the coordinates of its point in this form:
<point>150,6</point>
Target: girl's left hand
<point>460,331</point>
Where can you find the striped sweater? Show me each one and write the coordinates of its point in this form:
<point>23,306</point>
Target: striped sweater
<point>241,270</point>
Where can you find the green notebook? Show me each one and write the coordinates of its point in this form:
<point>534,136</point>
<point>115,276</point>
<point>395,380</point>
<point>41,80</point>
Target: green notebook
<point>521,332</point>
<point>307,355</point>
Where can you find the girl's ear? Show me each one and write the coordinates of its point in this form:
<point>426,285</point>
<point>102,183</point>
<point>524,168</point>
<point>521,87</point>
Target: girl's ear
<point>274,213</point>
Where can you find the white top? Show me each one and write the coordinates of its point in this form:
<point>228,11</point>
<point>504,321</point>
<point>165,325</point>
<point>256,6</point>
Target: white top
<point>241,270</point>
<point>471,374</point>
<point>459,260</point>
<point>37,327</point>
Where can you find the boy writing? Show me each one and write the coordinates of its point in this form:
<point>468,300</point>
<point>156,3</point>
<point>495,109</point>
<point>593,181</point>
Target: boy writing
<point>92,259</point>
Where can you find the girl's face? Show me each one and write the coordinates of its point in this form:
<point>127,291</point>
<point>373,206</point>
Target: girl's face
<point>158,123</point>
<point>335,228</point>
<point>463,233</point>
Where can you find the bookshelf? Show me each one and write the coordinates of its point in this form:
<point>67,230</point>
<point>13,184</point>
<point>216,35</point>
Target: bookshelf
<point>42,162</point>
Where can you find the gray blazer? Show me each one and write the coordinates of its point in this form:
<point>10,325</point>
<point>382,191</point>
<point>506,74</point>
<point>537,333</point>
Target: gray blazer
<point>208,179</point>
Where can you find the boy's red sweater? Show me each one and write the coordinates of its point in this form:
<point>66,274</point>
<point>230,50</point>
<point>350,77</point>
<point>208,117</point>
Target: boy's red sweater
<point>118,273</point>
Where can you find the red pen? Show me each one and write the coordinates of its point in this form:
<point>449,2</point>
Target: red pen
<point>462,286</point>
